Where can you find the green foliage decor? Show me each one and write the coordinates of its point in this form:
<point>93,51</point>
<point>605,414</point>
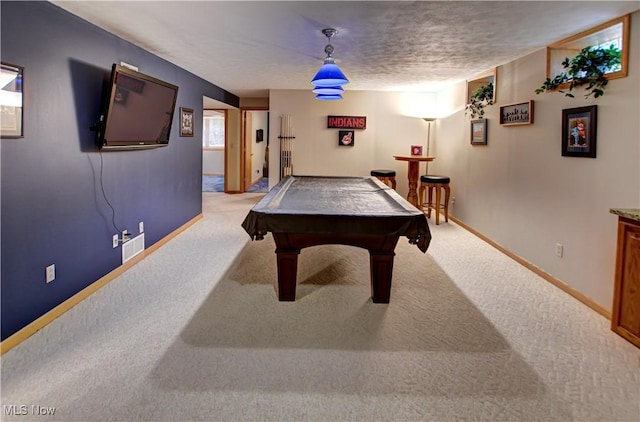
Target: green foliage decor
<point>587,68</point>
<point>480,98</point>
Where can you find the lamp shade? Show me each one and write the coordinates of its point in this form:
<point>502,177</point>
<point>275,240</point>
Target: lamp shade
<point>328,90</point>
<point>328,97</point>
<point>329,75</point>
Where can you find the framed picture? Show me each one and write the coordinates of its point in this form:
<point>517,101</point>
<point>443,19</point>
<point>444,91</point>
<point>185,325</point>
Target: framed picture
<point>579,131</point>
<point>416,149</point>
<point>186,121</point>
<point>517,114</point>
<point>346,138</point>
<point>479,132</point>
<point>11,107</point>
<point>259,135</point>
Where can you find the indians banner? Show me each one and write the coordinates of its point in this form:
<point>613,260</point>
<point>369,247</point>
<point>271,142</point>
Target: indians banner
<point>346,122</point>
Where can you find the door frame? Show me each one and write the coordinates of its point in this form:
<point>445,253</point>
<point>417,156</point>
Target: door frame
<point>245,145</point>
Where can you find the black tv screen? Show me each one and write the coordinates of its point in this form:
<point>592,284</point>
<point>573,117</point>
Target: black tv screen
<point>138,111</point>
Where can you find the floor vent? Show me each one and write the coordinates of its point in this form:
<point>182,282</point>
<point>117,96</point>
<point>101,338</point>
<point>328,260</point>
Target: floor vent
<point>132,248</point>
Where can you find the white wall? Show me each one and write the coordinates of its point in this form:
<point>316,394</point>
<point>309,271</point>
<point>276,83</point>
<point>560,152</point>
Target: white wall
<point>392,127</point>
<point>233,177</point>
<point>213,161</point>
<point>258,121</point>
<point>518,190</point>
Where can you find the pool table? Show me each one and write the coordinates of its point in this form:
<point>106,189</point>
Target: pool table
<point>304,211</point>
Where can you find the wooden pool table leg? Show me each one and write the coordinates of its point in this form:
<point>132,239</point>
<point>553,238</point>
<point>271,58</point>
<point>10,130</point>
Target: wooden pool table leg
<point>381,254</point>
<point>381,264</point>
<point>287,274</point>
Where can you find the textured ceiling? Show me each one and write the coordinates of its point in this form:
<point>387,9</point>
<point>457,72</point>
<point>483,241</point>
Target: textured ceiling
<point>248,47</point>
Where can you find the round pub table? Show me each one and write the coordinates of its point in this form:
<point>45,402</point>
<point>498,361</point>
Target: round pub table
<point>413,174</point>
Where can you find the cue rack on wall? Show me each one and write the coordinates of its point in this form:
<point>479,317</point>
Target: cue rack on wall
<point>286,143</point>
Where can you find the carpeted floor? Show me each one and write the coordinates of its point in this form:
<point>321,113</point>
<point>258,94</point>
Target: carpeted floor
<point>195,332</point>
<point>212,183</point>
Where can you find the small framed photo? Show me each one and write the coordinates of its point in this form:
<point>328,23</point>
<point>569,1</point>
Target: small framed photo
<point>517,114</point>
<point>346,138</point>
<point>11,107</point>
<point>186,121</point>
<point>579,127</point>
<point>259,135</point>
<point>479,132</point>
<point>416,149</point>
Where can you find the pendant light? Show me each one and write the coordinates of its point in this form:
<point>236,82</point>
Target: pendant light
<point>329,79</point>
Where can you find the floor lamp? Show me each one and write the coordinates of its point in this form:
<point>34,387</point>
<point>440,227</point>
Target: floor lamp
<point>428,120</point>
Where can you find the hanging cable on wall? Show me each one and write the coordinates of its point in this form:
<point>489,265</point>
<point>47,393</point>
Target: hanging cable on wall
<point>104,195</point>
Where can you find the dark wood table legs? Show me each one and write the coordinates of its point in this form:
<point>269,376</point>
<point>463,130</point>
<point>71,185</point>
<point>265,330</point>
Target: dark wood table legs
<point>381,264</point>
<point>287,274</point>
<point>381,255</point>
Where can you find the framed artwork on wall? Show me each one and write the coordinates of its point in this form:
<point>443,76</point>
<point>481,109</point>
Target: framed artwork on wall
<point>517,114</point>
<point>346,138</point>
<point>186,121</point>
<point>579,127</point>
<point>11,107</point>
<point>259,135</point>
<point>479,132</point>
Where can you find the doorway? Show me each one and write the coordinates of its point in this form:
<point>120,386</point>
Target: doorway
<point>255,164</point>
<point>236,160</point>
<point>214,137</point>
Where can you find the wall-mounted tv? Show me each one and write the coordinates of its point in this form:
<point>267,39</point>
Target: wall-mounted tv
<point>137,111</point>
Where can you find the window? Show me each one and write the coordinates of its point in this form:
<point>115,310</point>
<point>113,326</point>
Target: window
<point>615,32</point>
<point>213,132</point>
<point>479,81</point>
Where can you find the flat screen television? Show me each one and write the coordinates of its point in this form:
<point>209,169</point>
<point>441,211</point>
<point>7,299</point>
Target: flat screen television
<point>137,112</point>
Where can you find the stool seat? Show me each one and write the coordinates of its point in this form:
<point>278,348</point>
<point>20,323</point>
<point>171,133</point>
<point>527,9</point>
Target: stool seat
<point>433,178</point>
<point>383,173</point>
<point>388,177</point>
<point>429,183</point>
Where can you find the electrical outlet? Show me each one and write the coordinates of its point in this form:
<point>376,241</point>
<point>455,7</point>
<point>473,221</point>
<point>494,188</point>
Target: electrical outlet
<point>50,272</point>
<point>115,241</point>
<point>141,227</point>
<point>125,236</point>
<point>453,200</point>
<point>559,250</point>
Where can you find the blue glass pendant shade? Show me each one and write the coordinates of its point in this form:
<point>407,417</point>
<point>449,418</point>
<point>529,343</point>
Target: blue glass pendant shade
<point>329,75</point>
<point>329,79</point>
<point>328,90</point>
<point>328,97</point>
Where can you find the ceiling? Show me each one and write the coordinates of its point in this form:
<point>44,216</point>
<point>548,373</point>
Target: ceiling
<point>250,47</point>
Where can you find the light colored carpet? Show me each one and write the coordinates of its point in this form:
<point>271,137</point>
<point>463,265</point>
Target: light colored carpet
<point>195,332</point>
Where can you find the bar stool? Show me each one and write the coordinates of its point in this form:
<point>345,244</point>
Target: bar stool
<point>388,177</point>
<point>434,182</point>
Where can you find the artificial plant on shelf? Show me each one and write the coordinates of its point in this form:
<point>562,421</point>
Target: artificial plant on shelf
<point>589,68</point>
<point>480,98</point>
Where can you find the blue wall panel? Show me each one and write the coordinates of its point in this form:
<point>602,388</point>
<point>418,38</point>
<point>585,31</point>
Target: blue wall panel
<point>52,207</point>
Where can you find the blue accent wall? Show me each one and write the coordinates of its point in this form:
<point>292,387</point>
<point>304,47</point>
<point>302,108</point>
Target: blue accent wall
<point>52,207</point>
